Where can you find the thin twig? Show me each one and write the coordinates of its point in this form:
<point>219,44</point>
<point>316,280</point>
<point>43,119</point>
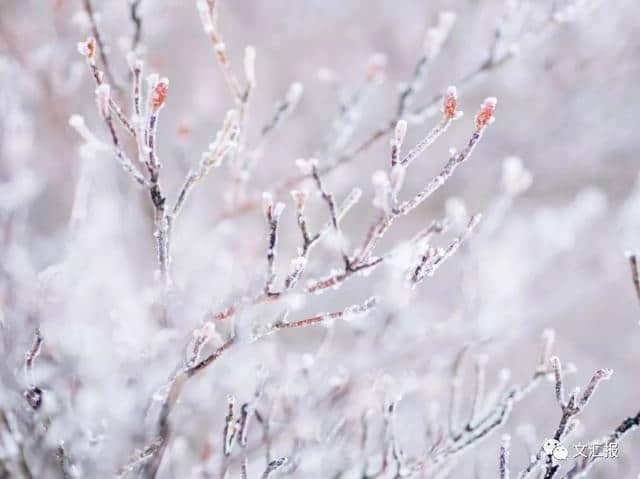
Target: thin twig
<point>136,19</point>
<point>88,7</point>
<point>635,272</point>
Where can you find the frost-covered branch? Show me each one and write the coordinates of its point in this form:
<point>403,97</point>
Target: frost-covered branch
<point>33,394</point>
<point>89,50</point>
<point>570,408</point>
<point>136,19</point>
<point>433,42</point>
<point>209,18</point>
<point>493,416</point>
<point>505,447</point>
<point>193,365</point>
<point>273,466</point>
<point>364,390</point>
<point>450,113</point>
<point>225,142</point>
<point>12,440</point>
<point>350,111</point>
<point>433,258</point>
<point>88,8</point>
<point>390,211</point>
<point>331,204</point>
<point>272,214</point>
<point>492,61</point>
<point>283,109</point>
<point>583,465</point>
<point>483,119</point>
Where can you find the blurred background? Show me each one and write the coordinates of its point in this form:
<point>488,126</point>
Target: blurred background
<point>78,254</point>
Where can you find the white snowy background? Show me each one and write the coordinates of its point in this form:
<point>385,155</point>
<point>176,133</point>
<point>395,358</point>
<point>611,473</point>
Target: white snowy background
<point>77,254</point>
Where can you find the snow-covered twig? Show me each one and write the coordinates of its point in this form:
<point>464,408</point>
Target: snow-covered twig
<point>272,214</point>
<point>273,466</point>
<point>433,42</point>
<point>88,8</point>
<point>433,258</point>
<point>505,447</point>
<point>570,408</point>
<point>225,142</point>
<point>209,18</point>
<point>136,19</point>
<point>583,465</point>
<point>363,260</point>
<point>33,394</point>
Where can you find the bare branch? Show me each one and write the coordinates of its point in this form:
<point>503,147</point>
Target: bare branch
<point>505,447</point>
<point>599,376</point>
<point>433,41</point>
<point>33,394</point>
<point>273,466</point>
<point>635,272</point>
<point>450,113</point>
<point>432,259</point>
<point>557,371</point>
<point>209,17</point>
<point>229,427</point>
<point>226,140</point>
<point>134,14</point>
<point>272,214</point>
<point>88,7</point>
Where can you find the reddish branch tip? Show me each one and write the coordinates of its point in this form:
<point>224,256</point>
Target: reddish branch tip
<point>450,103</point>
<point>88,49</point>
<point>485,116</point>
<point>159,96</point>
<point>299,198</point>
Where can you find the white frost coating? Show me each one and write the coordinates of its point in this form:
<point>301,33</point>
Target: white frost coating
<point>359,310</point>
<point>250,65</point>
<point>134,62</point>
<point>351,199</point>
<point>278,209</point>
<point>103,95</point>
<point>299,198</point>
<point>152,80</point>
<point>382,187</point>
<point>398,174</point>
<point>225,141</point>
<point>299,262</point>
<point>205,17</point>
<point>296,269</point>
<point>400,132</point>
<point>294,93</point>
<point>104,294</point>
